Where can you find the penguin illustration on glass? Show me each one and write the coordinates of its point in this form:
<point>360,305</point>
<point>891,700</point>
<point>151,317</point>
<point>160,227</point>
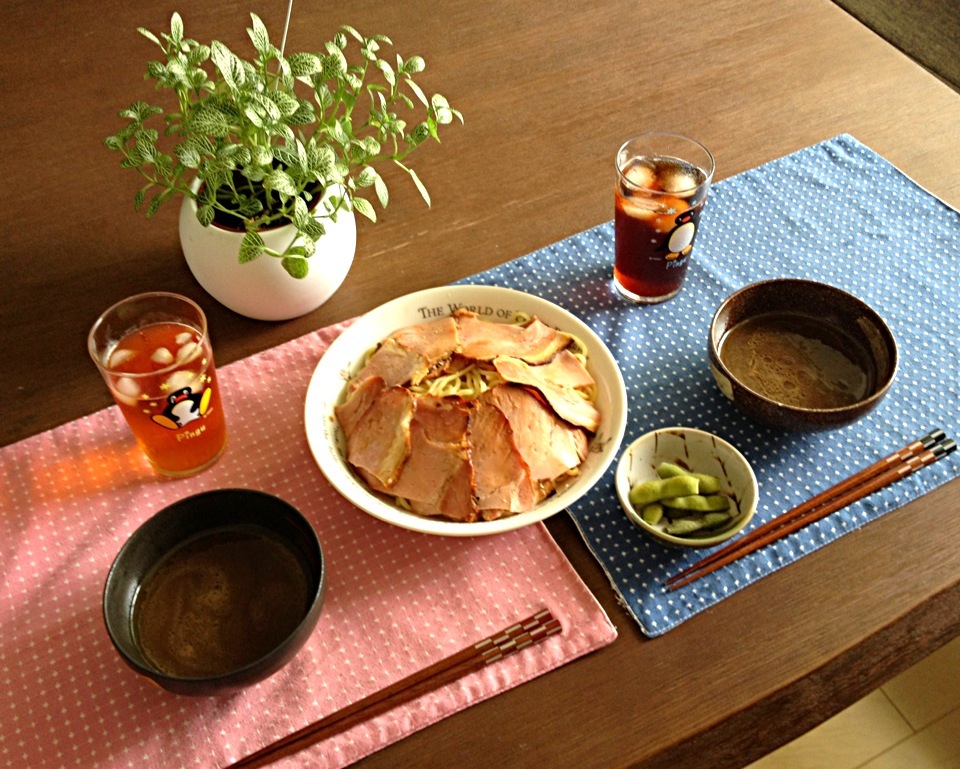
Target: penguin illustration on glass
<point>680,240</point>
<point>183,406</point>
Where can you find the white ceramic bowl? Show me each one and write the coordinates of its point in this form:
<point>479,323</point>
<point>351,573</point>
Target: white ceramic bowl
<point>699,452</point>
<point>346,355</point>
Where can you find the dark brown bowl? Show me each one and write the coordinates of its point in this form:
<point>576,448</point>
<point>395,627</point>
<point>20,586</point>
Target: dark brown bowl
<point>247,574</point>
<point>800,355</point>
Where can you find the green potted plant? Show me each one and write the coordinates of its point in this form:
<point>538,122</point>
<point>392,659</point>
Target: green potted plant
<point>273,156</point>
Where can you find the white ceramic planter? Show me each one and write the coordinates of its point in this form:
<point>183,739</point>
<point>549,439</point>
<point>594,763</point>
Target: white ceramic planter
<point>262,289</point>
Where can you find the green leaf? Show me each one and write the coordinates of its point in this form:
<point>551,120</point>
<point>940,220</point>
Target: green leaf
<point>188,156</point>
<point>295,266</point>
<point>139,198</point>
<point>301,215</point>
<point>388,74</point>
<point>416,180</point>
<point>250,248</point>
<point>260,156</point>
<point>411,66</point>
<point>258,35</point>
<point>249,207</point>
<point>209,120</point>
<point>305,114</point>
<point>281,182</point>
<point>367,176</point>
<point>198,54</point>
<point>304,64</point>
<point>148,34</point>
<point>382,193</point>
<point>176,29</point>
<point>205,215</point>
<point>230,67</point>
<point>312,229</point>
<point>362,206</point>
<point>284,102</point>
<point>335,64</point>
<point>154,204</point>
<point>352,32</point>
<point>255,116</point>
<point>156,69</point>
<point>418,92</point>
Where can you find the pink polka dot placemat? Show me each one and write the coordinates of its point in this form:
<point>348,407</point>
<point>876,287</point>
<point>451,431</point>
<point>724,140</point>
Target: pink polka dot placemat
<point>396,600</point>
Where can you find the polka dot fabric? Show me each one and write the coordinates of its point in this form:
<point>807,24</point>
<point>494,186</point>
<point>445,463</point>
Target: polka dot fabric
<point>396,602</point>
<point>834,212</point>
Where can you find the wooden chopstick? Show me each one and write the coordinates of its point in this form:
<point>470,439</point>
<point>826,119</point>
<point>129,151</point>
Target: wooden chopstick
<point>901,455</point>
<point>508,641</point>
<point>888,470</point>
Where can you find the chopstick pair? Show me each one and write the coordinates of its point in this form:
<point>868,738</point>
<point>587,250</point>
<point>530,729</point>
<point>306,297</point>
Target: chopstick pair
<point>508,641</point>
<point>890,469</point>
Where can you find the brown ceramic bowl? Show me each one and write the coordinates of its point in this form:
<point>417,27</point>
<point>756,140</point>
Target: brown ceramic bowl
<point>800,355</point>
<point>215,592</point>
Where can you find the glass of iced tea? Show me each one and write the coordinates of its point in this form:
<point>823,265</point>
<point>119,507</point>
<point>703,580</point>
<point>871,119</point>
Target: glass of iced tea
<point>662,184</point>
<point>154,353</point>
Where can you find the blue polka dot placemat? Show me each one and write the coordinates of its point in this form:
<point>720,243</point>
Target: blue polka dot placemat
<point>835,212</point>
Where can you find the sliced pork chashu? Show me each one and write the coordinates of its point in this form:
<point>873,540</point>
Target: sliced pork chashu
<point>549,445</point>
<point>378,442</point>
<point>502,480</point>
<point>395,364</point>
<point>534,342</point>
<point>437,476</point>
<point>569,404</point>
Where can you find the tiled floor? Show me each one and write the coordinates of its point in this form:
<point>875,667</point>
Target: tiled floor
<point>912,722</point>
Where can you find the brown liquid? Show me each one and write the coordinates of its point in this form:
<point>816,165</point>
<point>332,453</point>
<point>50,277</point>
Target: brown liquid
<point>650,222</point>
<point>798,361</point>
<point>188,437</point>
<point>219,602</point>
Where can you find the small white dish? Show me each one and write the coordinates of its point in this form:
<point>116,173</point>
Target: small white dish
<point>346,355</point>
<point>696,451</point>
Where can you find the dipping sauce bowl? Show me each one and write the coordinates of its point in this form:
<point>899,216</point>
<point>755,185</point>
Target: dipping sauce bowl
<point>801,355</point>
<point>215,592</point>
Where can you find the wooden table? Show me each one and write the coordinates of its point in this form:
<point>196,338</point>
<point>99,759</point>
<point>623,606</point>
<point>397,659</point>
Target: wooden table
<point>549,90</point>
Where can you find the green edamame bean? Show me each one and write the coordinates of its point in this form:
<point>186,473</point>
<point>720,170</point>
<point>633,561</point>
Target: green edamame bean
<point>714,520</point>
<point>709,484</point>
<point>653,491</point>
<point>680,527</point>
<point>712,503</point>
<point>683,526</point>
<point>652,513</point>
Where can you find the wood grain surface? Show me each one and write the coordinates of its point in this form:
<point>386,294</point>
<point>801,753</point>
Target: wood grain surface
<point>548,91</point>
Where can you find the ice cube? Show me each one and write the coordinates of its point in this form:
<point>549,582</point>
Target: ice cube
<point>670,207</point>
<point>679,181</point>
<point>183,337</point>
<point>188,351</point>
<point>640,174</point>
<point>180,379</point>
<point>119,356</point>
<point>162,356</point>
<point>126,390</point>
<point>639,207</point>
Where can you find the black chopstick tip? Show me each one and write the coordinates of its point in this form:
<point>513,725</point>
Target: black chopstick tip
<point>944,447</point>
<point>934,437</point>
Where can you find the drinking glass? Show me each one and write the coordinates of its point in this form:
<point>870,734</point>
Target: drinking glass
<point>662,183</point>
<point>153,351</point>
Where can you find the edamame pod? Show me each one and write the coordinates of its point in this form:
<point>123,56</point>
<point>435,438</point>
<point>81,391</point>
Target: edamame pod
<point>652,513</point>
<point>709,484</point>
<point>713,520</point>
<point>653,491</point>
<point>682,526</point>
<point>712,503</point>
